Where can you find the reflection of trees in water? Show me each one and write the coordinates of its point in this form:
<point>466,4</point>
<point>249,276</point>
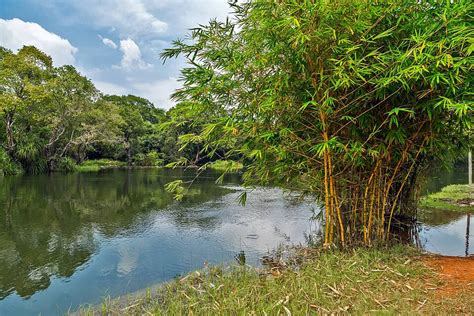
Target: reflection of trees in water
<point>37,240</point>
<point>28,263</point>
<point>48,222</point>
<point>192,212</point>
<point>436,217</point>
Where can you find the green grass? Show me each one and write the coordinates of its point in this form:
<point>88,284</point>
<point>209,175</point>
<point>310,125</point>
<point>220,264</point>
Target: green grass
<point>390,280</point>
<point>448,198</point>
<point>96,165</point>
<point>226,165</point>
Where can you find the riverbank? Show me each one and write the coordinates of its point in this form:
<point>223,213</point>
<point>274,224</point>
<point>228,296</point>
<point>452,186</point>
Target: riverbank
<point>394,280</point>
<point>455,197</point>
<point>99,164</point>
<point>102,164</point>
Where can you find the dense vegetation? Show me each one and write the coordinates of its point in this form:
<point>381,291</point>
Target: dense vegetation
<point>351,100</point>
<point>52,118</point>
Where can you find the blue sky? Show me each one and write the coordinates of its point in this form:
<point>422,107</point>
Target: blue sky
<point>116,43</point>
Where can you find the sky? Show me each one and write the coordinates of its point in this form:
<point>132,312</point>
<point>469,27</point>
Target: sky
<point>115,43</point>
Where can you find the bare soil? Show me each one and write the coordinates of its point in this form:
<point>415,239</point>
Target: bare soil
<point>456,291</point>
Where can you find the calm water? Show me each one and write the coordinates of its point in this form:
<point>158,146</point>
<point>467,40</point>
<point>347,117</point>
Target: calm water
<point>67,240</point>
<point>445,232</point>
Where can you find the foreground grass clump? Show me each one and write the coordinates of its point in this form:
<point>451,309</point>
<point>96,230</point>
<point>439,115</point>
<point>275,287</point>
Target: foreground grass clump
<point>391,280</point>
<point>456,197</point>
<point>96,165</point>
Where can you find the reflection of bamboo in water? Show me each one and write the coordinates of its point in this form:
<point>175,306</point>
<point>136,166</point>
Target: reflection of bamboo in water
<point>468,224</point>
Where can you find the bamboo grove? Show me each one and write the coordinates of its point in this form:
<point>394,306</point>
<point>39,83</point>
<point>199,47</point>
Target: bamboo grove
<point>353,101</point>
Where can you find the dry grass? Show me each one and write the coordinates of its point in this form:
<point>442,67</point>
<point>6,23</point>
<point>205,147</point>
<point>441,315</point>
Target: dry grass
<point>391,281</point>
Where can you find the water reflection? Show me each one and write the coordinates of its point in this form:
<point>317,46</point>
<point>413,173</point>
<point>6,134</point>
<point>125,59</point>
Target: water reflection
<point>48,224</point>
<point>445,232</point>
<point>468,234</point>
<point>67,240</point>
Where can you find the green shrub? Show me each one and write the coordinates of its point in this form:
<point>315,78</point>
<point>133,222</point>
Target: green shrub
<point>345,100</point>
<point>67,164</point>
<point>151,159</point>
<point>7,165</point>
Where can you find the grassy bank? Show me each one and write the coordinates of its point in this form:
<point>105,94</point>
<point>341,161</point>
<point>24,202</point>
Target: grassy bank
<point>226,165</point>
<point>392,281</point>
<point>96,165</point>
<point>100,164</point>
<point>456,197</point>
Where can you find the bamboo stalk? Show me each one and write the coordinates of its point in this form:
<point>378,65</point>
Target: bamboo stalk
<point>401,188</point>
<point>336,203</point>
<point>372,198</point>
<point>371,207</point>
<point>326,200</point>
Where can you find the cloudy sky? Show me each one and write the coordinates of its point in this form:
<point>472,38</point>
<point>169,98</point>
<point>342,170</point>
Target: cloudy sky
<point>116,43</point>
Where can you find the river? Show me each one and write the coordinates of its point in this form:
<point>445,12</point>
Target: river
<point>73,239</point>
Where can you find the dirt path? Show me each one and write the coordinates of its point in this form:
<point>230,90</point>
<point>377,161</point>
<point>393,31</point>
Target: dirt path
<point>457,282</point>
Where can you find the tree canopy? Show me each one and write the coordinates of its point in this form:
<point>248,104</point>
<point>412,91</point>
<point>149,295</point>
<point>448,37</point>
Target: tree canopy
<point>52,118</point>
<point>349,100</point>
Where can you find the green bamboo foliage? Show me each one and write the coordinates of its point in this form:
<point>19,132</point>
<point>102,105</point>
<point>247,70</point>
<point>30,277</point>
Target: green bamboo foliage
<point>350,100</point>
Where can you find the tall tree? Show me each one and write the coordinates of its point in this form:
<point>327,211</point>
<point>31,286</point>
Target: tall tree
<point>99,126</point>
<point>139,115</point>
<point>50,113</point>
<point>23,78</point>
<point>69,96</point>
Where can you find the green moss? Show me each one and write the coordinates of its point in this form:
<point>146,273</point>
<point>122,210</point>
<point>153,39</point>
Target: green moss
<point>449,198</point>
<point>96,165</point>
<point>226,165</point>
<point>389,280</point>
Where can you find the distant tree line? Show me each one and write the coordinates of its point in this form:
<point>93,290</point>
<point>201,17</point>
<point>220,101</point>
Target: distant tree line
<point>52,118</point>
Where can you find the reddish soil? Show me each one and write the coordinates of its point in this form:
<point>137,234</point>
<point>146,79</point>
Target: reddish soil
<point>456,273</point>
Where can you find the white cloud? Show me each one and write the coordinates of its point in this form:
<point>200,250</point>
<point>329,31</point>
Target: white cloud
<point>110,88</point>
<point>145,28</point>
<point>16,33</point>
<point>132,56</point>
<point>108,42</point>
<point>185,14</point>
<point>158,91</point>
<point>129,17</point>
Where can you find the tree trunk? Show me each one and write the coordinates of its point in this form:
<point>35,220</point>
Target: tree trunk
<point>9,132</point>
<point>128,150</point>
